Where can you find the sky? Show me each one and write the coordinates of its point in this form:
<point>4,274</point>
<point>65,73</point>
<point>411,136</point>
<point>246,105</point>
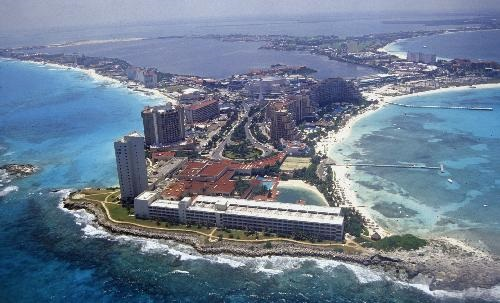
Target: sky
<point>28,14</point>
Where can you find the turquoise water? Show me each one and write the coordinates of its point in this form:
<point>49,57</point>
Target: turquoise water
<point>424,201</point>
<point>291,194</point>
<point>65,122</point>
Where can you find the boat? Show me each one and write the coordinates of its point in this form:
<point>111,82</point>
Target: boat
<point>450,180</point>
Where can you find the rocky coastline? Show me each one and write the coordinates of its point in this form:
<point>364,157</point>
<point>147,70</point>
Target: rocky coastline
<point>19,170</point>
<point>439,264</point>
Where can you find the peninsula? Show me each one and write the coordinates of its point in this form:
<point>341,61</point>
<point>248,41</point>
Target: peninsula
<point>207,168</point>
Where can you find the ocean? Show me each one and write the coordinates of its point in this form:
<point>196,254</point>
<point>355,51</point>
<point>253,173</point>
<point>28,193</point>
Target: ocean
<point>217,59</point>
<point>65,122</point>
<point>463,202</point>
<point>211,58</point>
<point>483,45</point>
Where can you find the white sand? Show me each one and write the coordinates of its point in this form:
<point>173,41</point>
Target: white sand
<point>332,139</point>
<point>303,185</point>
<point>155,94</point>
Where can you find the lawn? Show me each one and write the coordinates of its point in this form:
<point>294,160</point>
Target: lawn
<point>250,154</point>
<point>119,213</point>
<point>295,163</point>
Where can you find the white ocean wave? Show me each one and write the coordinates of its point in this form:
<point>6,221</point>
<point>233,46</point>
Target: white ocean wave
<point>178,271</point>
<point>273,265</point>
<point>7,190</point>
<point>487,294</point>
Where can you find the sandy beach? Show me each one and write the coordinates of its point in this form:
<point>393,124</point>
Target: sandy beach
<point>342,173</point>
<point>303,186</point>
<point>140,89</point>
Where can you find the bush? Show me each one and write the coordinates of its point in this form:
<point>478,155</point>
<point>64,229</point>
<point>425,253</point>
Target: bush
<point>268,245</point>
<point>404,242</point>
<point>353,222</point>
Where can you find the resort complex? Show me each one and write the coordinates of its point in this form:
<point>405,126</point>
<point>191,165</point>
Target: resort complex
<point>325,223</point>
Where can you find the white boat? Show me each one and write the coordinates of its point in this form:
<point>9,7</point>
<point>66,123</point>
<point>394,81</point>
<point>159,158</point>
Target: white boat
<point>450,180</point>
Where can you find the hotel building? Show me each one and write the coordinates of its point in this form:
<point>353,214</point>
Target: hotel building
<point>202,111</point>
<point>131,165</point>
<point>163,125</point>
<point>281,218</point>
<point>282,123</point>
<point>334,90</point>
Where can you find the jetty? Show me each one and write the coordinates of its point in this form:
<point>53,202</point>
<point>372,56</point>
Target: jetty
<point>410,165</point>
<point>441,106</point>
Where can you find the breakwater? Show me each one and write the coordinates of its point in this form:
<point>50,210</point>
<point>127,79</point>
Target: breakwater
<point>442,106</point>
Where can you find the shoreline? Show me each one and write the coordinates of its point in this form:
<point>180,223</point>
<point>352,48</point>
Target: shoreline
<point>333,139</point>
<point>399,53</point>
<point>152,93</point>
<point>302,185</point>
<point>429,268</point>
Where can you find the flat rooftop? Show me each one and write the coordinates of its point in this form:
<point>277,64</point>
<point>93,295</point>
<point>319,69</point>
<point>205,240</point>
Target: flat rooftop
<point>269,210</point>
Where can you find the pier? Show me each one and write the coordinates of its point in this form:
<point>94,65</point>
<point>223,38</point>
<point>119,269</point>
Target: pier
<point>442,107</point>
<point>408,166</point>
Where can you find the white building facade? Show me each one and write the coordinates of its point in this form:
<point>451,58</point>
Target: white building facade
<point>281,218</point>
<point>131,165</point>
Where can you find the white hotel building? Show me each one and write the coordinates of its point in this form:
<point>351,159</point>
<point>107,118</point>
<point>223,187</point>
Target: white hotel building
<point>281,218</point>
<point>131,165</point>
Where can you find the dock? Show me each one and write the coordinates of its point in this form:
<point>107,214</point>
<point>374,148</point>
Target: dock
<point>442,107</point>
<point>408,166</point>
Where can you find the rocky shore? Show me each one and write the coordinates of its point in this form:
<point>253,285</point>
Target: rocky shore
<point>440,264</point>
<point>19,170</point>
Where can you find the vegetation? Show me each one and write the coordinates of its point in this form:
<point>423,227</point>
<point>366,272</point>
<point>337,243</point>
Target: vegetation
<point>404,242</point>
<point>257,133</point>
<point>353,222</point>
<point>325,186</point>
<point>241,186</point>
<point>271,170</point>
<point>239,134</point>
<point>120,213</point>
<point>243,150</point>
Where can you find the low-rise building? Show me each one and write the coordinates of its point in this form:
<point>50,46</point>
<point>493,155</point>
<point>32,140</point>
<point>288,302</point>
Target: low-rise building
<point>281,218</point>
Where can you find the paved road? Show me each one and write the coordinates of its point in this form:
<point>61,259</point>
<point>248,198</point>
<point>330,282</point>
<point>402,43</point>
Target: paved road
<point>266,150</point>
<point>216,154</point>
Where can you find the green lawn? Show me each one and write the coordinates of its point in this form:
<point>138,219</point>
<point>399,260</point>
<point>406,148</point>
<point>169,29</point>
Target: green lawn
<point>119,213</point>
<point>251,154</point>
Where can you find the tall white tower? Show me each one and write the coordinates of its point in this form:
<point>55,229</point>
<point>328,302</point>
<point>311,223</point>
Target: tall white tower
<point>131,165</point>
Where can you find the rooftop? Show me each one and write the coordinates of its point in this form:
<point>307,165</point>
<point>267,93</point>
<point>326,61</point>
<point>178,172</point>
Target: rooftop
<point>276,210</point>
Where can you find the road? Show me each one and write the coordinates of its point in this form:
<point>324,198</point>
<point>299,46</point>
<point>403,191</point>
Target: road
<point>266,150</point>
<point>217,152</point>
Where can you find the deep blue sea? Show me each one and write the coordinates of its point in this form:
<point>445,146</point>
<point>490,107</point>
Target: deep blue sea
<point>65,122</point>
